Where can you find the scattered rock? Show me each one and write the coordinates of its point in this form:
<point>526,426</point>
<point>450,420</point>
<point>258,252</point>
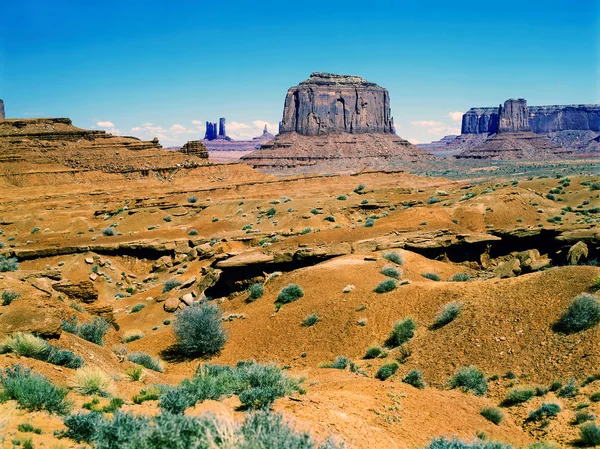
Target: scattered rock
<point>510,268</point>
<point>578,251</point>
<point>89,260</point>
<point>171,304</point>
<point>83,291</point>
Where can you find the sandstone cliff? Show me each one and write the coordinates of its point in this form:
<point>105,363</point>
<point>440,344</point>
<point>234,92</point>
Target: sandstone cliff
<point>327,103</point>
<point>513,116</point>
<point>195,148</point>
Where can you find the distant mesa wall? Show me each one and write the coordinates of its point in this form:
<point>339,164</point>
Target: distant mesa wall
<point>211,131</point>
<point>328,103</point>
<point>540,119</point>
<point>2,116</point>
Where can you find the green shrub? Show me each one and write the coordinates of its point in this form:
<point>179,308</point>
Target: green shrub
<point>28,428</point>
<point>469,379</point>
<point>170,285</point>
<point>541,391</point>
<point>199,330</point>
<point>82,427</point>
<point>544,412</point>
<point>256,291</point>
<point>443,443</point>
<point>492,414</point>
<point>589,434</point>
<point>394,257</point>
<point>108,232</point>
<point>581,417</point>
<point>373,352</point>
<point>26,345</point>
<point>146,360</point>
<point>94,331</point>
<point>32,391</point>
<point>386,286</point>
<point>330,218</point>
<point>8,264</point>
<point>168,218</point>
<point>518,396</point>
<point>340,362</point>
<point>91,380</point>
<point>151,393</point>
<point>64,357</point>
<point>342,197</point>
<point>431,276</point>
<point>460,277</point>
<point>137,308</point>
<point>402,332</point>
<point>391,272</point>
<point>310,320</point>
<point>447,314</point>
<point>176,400</point>
<point>570,390</point>
<point>289,293</point>
<point>433,200</point>
<point>583,313</point>
<point>192,232</point>
<point>124,431</point>
<point>555,385</point>
<point>8,296</point>
<point>595,397</point>
<point>387,371</point>
<point>359,189</point>
<point>369,223</point>
<point>132,335</point>
<point>192,199</point>
<point>414,378</point>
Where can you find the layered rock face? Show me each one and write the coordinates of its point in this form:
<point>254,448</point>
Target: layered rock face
<point>195,148</point>
<point>2,116</point>
<point>513,117</point>
<point>480,121</point>
<point>328,103</point>
<point>211,131</point>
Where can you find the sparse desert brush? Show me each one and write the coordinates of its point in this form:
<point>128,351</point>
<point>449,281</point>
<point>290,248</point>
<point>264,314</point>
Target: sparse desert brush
<point>386,286</point>
<point>444,443</point>
<point>492,414</point>
<point>596,284</point>
<point>589,433</point>
<point>151,393</point>
<point>28,428</point>
<point>310,320</point>
<point>595,397</point>
<point>82,427</point>
<point>433,200</point>
<point>570,390</point>
<point>256,292</point>
<point>108,232</point>
<point>431,276</point>
<point>469,379</point>
<point>199,330</point>
<point>393,256</point>
<point>94,331</point>
<point>581,417</point>
<point>414,378</point>
<point>518,395</point>
<point>447,314</point>
<point>460,277</point>
<point>170,285</point>
<point>289,293</point>
<point>386,371</point>
<point>64,357</point>
<point>401,333</point>
<point>373,352</point>
<point>8,264</point>
<point>146,360</point>
<point>391,271</point>
<point>91,380</point>
<point>329,218</point>
<point>544,412</point>
<point>137,308</point>
<point>583,313</point>
<point>27,345</point>
<point>32,391</point>
<point>136,374</point>
<point>340,362</point>
<point>132,335</point>
<point>193,232</point>
<point>8,296</point>
<point>192,199</point>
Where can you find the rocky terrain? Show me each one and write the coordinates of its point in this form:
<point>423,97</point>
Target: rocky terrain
<point>469,273</point>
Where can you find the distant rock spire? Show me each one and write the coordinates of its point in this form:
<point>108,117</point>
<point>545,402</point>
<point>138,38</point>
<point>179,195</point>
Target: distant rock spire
<point>2,117</point>
<point>211,131</point>
<point>222,132</point>
<point>265,130</point>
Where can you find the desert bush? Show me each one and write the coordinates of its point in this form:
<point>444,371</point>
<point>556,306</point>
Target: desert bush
<point>431,276</point>
<point>433,200</point>
<point>386,371</point>
<point>581,417</point>
<point>402,332</point>
<point>340,362</point>
<point>193,232</point>
<point>469,379</point>
<point>132,335</point>
<point>199,330</point>
<point>393,256</point>
<point>360,188</point>
<point>108,232</point>
<point>518,396</point>
<point>391,272</point>
<point>541,391</point>
<point>192,199</point>
<point>444,443</point>
<point>544,412</point>
<point>329,218</point>
<point>137,308</point>
<point>92,380</point>
<point>386,286</point>
<point>29,428</point>
<point>170,285</point>
<point>82,427</point>
<point>8,296</point>
<point>289,293</point>
<point>32,391</point>
<point>151,393</point>
<point>595,397</point>
<point>460,277</point>
<point>589,434</point>
<point>492,414</point>
<point>94,331</point>
<point>370,222</point>
<point>256,291</point>
<point>414,378</point>
<point>26,345</point>
<point>176,400</point>
<point>555,385</point>
<point>121,432</point>
<point>583,313</point>
<point>570,390</point>
<point>310,320</point>
<point>447,314</point>
<point>64,357</point>
<point>135,374</point>
<point>8,264</point>
<point>373,352</point>
<point>146,360</point>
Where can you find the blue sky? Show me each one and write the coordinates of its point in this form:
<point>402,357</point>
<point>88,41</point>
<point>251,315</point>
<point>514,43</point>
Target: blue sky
<point>157,68</point>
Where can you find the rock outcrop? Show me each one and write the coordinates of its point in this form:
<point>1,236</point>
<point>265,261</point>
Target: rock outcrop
<point>480,121</point>
<point>2,116</point>
<point>514,146</point>
<point>222,132</point>
<point>513,117</point>
<point>211,131</point>
<point>195,148</point>
<point>328,103</point>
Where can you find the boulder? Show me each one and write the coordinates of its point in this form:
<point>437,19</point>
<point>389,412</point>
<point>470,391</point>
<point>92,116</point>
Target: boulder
<point>83,290</point>
<point>171,304</point>
<point>43,321</point>
<point>508,269</point>
<point>531,260</point>
<point>576,252</point>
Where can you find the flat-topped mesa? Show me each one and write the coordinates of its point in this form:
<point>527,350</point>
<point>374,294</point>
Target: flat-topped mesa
<point>480,121</point>
<point>327,103</point>
<point>195,148</point>
<point>514,116</point>
<point>2,116</point>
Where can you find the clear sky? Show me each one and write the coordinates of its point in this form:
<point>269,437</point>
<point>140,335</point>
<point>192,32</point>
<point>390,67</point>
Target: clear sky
<point>162,68</point>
